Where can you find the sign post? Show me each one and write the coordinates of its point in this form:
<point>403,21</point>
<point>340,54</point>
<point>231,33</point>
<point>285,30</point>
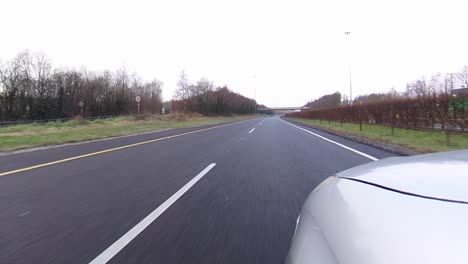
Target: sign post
<point>138,99</point>
<point>81,104</point>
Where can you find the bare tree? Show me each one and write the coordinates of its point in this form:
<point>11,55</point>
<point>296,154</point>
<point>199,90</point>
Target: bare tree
<point>11,81</point>
<point>41,73</point>
<point>418,88</point>
<point>184,88</point>
<point>203,86</point>
<point>437,84</point>
<point>153,95</point>
<point>463,76</point>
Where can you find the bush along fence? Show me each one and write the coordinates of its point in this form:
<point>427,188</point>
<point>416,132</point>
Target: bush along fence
<point>445,113</point>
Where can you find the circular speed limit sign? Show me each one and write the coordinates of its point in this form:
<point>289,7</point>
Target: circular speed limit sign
<point>81,103</point>
<point>137,98</point>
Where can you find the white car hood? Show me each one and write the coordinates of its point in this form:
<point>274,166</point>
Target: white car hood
<point>397,210</point>
<point>441,176</point>
<point>361,224</point>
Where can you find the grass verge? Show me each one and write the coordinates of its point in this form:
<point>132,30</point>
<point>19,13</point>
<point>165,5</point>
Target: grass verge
<point>420,141</point>
<point>54,133</point>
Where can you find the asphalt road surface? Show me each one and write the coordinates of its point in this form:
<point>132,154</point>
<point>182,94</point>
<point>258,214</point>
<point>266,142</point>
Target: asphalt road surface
<point>213,194</point>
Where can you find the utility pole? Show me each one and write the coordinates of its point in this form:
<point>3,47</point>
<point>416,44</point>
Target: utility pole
<point>348,33</point>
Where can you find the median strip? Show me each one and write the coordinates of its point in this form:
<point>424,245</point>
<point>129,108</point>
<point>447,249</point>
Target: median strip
<point>112,149</point>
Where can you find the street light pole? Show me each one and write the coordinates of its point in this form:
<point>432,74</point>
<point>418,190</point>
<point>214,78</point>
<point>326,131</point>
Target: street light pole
<point>256,100</point>
<point>348,33</point>
<point>255,94</point>
<point>350,85</point>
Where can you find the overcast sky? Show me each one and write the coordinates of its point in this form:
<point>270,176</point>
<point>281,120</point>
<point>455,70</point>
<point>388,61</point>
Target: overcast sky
<point>291,51</point>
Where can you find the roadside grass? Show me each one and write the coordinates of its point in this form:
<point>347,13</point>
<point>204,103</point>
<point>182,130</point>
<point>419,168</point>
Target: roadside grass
<point>54,133</point>
<point>421,141</point>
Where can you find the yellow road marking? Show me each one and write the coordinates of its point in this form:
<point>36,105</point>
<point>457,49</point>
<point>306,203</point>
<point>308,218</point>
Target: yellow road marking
<point>112,149</point>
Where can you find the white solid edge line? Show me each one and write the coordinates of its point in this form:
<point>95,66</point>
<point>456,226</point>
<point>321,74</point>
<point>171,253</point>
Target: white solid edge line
<point>118,245</point>
<point>334,142</point>
<point>251,130</point>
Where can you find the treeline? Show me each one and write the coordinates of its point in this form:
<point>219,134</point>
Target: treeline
<point>443,112</point>
<point>204,98</point>
<point>326,101</point>
<point>437,84</point>
<point>31,88</point>
<point>336,99</point>
<point>440,102</point>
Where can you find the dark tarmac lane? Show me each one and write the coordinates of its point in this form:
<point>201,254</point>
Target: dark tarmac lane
<point>243,210</point>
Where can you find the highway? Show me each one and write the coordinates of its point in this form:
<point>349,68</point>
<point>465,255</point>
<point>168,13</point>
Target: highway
<point>227,193</point>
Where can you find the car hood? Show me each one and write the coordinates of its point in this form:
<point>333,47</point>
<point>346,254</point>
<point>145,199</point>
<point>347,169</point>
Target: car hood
<point>442,176</point>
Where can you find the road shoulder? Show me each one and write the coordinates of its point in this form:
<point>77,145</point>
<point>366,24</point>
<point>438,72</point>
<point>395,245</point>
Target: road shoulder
<point>370,142</point>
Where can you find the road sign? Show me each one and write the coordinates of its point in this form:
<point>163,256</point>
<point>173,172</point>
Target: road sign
<point>138,99</point>
<point>81,103</point>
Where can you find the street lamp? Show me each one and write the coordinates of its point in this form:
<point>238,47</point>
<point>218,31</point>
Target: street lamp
<point>348,33</point>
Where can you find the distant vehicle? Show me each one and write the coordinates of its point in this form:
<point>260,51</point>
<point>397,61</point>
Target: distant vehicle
<point>396,210</point>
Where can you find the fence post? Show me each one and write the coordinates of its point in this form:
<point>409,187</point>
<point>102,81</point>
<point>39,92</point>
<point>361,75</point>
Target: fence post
<point>447,137</point>
<point>360,119</point>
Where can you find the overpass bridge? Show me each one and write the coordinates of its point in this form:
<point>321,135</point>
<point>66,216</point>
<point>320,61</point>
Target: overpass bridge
<point>281,110</point>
